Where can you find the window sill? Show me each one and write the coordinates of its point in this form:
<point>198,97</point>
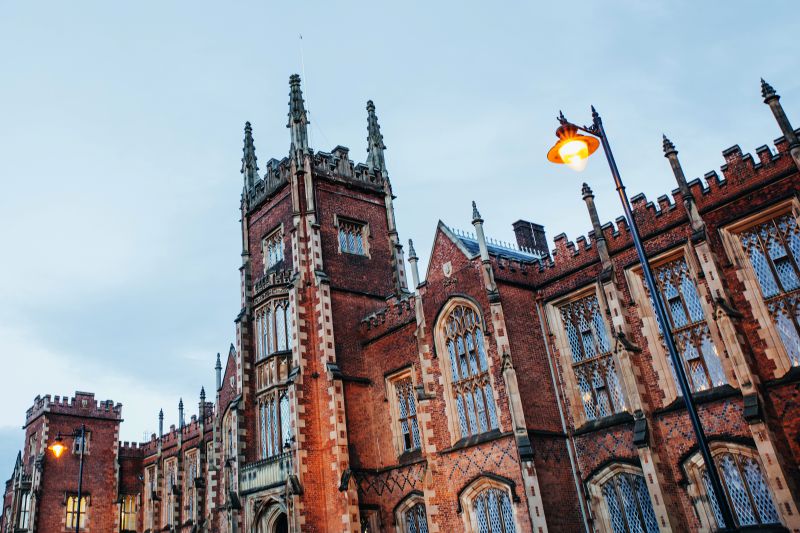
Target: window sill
<point>475,440</point>
<point>606,422</point>
<point>702,397</point>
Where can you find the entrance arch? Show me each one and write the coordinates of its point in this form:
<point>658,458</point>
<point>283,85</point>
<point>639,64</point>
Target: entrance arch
<point>272,520</point>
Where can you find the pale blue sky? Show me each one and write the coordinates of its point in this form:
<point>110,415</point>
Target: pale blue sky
<point>121,130</point>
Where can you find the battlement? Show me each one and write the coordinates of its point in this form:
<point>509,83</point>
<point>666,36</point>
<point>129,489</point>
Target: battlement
<point>399,310</point>
<point>175,434</point>
<point>741,172</point>
<point>82,404</point>
<point>337,165</point>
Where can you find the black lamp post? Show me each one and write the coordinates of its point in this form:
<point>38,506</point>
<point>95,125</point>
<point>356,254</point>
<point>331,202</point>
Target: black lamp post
<point>574,149</point>
<point>58,448</point>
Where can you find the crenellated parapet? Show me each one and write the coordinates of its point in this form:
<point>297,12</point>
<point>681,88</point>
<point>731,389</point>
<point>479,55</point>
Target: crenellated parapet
<point>397,312</point>
<point>82,404</point>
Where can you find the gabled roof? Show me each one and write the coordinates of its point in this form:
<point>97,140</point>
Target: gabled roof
<point>468,244</point>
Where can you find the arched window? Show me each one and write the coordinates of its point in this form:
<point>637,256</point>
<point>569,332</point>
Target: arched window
<point>489,506</point>
<point>273,325</point>
<point>275,426</point>
<point>411,516</point>
<point>744,483</point>
<point>461,334</point>
<point>621,501</point>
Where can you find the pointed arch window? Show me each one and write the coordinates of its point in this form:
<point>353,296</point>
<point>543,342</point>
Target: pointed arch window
<point>621,501</point>
<point>461,333</point>
<point>489,505</point>
<point>275,425</point>
<point>773,250</point>
<point>128,518</point>
<point>272,248</point>
<point>411,515</point>
<point>24,511</point>
<point>273,325</point>
<point>593,365</point>
<point>744,483</point>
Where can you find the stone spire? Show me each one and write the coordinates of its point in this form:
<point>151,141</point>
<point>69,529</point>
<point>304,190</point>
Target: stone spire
<point>413,259</point>
<point>375,146</point>
<point>218,368</point>
<point>249,164</point>
<point>488,274</point>
<point>688,200</point>
<point>202,411</point>
<point>181,420</point>
<point>773,100</point>
<point>298,121</point>
<point>599,239</point>
<point>160,428</point>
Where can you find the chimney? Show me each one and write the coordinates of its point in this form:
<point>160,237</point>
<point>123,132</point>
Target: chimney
<point>531,236</point>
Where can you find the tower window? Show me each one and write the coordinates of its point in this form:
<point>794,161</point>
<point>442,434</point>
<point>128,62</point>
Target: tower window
<point>76,514</point>
<point>352,237</point>
<point>272,248</point>
<point>404,412</point>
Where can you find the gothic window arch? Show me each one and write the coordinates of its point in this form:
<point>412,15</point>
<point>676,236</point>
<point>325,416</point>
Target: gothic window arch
<point>766,251</point>
<point>621,501</point>
<point>274,422</point>
<point>744,482</point>
<point>463,350</point>
<point>586,348</point>
<point>487,505</point>
<point>273,326</point>
<point>411,514</point>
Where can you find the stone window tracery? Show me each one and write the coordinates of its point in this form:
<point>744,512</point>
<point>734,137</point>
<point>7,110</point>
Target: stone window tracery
<point>744,483</point>
<point>489,506</point>
<point>773,250</point>
<point>470,386</point>
<point>76,514</point>
<point>689,326</point>
<point>275,425</point>
<point>621,501</point>
<point>352,236</point>
<point>403,409</point>
<point>592,361</point>
<point>273,325</point>
<point>128,518</point>
<point>272,248</point>
<point>23,513</point>
<point>411,516</point>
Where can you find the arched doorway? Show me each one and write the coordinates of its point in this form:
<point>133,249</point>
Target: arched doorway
<point>272,520</point>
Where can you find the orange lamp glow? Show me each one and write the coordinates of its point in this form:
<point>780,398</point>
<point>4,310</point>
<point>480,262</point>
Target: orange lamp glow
<point>57,447</point>
<point>572,149</point>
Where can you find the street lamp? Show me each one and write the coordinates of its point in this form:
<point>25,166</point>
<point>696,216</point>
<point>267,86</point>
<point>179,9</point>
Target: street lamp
<point>574,149</point>
<point>58,448</point>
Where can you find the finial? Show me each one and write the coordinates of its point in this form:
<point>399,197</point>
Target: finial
<point>375,146</point>
<point>561,118</point>
<point>298,119</point>
<point>767,91</point>
<point>476,216</point>
<point>249,160</point>
<point>412,253</point>
<point>202,393</point>
<point>161,414</point>
<point>669,148</point>
<point>218,366</point>
<point>586,191</point>
<point>180,403</point>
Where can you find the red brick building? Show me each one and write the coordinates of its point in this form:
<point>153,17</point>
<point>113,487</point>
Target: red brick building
<point>515,389</point>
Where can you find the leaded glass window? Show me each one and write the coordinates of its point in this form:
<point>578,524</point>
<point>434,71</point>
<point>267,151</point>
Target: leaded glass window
<point>746,489</point>
<point>275,423</point>
<point>493,512</point>
<point>628,503</point>
<point>272,248</point>
<point>469,367</point>
<point>351,237</point>
<point>592,360</point>
<point>273,324</point>
<point>689,326</point>
<point>23,515</point>
<point>774,252</point>
<point>415,519</point>
<point>407,413</point>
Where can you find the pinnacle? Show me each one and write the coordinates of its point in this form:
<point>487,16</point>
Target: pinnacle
<point>767,90</point>
<point>412,254</point>
<point>475,214</point>
<point>668,146</point>
<point>586,191</point>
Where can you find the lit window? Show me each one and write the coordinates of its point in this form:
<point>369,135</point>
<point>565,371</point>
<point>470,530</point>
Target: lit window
<point>128,521</point>
<point>689,327</point>
<point>493,511</point>
<point>773,249</point>
<point>272,248</point>
<point>404,412</point>
<point>592,361</point>
<point>628,504</point>
<point>275,425</point>
<point>23,514</point>
<point>273,324</point>
<point>76,515</point>
<point>351,237</point>
<point>469,371</point>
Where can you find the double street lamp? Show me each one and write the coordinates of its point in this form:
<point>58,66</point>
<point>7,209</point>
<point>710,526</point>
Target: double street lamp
<point>574,149</point>
<point>58,448</point>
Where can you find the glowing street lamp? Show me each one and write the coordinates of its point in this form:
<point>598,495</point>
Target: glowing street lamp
<point>58,448</point>
<point>574,149</point>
